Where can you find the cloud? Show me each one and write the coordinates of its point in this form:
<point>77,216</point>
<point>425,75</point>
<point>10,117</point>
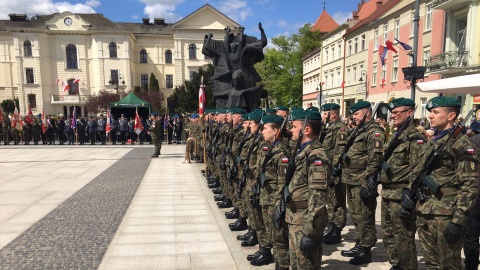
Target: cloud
<point>44,7</point>
<point>135,17</point>
<point>236,10</point>
<point>341,17</point>
<point>282,23</point>
<point>162,9</point>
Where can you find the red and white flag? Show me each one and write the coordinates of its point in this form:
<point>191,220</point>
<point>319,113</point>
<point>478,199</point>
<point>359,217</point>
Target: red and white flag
<point>109,122</point>
<point>76,81</point>
<point>16,121</point>
<point>1,115</point>
<point>201,99</point>
<point>29,117</point>
<point>138,127</point>
<point>44,122</point>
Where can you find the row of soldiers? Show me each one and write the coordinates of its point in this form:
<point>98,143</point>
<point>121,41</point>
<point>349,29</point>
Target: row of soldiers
<point>289,182</point>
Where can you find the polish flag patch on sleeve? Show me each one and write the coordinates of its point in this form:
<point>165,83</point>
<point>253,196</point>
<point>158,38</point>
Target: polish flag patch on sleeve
<point>265,148</point>
<point>470,151</point>
<point>284,160</point>
<point>318,163</point>
<point>377,134</point>
<point>420,142</point>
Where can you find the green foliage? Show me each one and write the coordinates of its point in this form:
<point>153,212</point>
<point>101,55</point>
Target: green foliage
<point>137,90</point>
<point>101,102</point>
<point>282,68</point>
<point>8,105</point>
<point>154,87</point>
<point>186,95</point>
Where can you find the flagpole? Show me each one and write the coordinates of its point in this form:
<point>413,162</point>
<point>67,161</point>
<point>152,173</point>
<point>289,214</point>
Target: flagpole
<point>416,19</point>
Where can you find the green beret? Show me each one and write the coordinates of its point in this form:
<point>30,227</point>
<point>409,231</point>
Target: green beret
<point>358,106</point>
<point>443,101</point>
<point>282,108</point>
<point>330,107</point>
<point>400,102</point>
<point>245,116</point>
<point>313,113</point>
<point>221,111</point>
<point>255,115</point>
<point>272,119</point>
<point>297,113</point>
<point>270,111</point>
<point>236,111</point>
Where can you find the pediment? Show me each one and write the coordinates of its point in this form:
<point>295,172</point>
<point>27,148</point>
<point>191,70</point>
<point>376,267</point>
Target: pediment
<point>205,17</point>
<point>67,21</point>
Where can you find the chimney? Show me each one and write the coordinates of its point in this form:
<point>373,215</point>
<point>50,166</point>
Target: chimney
<point>18,17</point>
<point>159,21</point>
<point>379,3</point>
<point>146,20</point>
<point>355,16</point>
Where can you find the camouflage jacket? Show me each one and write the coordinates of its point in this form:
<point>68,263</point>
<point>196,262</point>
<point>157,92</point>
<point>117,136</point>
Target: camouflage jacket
<point>155,128</point>
<point>259,145</point>
<point>335,139</point>
<point>242,156</point>
<point>308,189</point>
<point>274,175</point>
<point>364,155</point>
<point>457,174</point>
<point>402,162</point>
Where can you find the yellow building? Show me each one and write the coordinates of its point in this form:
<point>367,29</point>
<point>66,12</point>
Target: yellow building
<point>41,56</point>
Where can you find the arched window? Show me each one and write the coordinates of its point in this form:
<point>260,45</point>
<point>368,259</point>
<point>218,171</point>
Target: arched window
<point>27,48</point>
<point>113,49</point>
<point>72,62</point>
<point>192,51</point>
<point>143,56</point>
<point>168,57</point>
<point>72,87</point>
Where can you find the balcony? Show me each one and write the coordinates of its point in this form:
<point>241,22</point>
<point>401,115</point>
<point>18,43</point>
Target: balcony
<point>448,4</point>
<point>69,99</point>
<point>448,62</point>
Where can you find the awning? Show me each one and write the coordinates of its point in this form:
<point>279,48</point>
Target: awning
<point>468,84</point>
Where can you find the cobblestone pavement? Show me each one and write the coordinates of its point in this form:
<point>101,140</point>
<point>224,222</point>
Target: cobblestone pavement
<point>77,233</point>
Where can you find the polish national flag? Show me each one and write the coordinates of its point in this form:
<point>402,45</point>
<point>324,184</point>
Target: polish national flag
<point>138,127</point>
<point>201,100</point>
<point>16,122</point>
<point>76,81</point>
<point>109,122</point>
<point>44,122</point>
<point>29,116</point>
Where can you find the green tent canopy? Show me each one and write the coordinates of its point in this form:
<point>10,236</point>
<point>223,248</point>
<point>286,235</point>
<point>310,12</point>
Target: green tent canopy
<point>127,106</point>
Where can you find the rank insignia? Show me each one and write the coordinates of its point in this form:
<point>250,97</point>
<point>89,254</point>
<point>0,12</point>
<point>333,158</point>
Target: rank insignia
<point>265,148</point>
<point>470,151</point>
<point>420,142</point>
<point>318,163</point>
<point>284,160</point>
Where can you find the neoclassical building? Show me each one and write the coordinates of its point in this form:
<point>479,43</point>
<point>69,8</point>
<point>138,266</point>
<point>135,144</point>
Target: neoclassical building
<point>55,62</point>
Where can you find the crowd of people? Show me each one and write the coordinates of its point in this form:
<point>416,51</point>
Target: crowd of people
<point>290,176</point>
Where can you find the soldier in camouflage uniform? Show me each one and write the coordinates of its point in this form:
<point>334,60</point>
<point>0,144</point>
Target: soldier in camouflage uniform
<point>155,129</point>
<point>362,159</point>
<point>220,158</point>
<point>335,138</point>
<point>36,129</point>
<point>306,212</point>
<point>398,234</point>
<point>6,126</point>
<point>442,217</point>
<point>272,182</point>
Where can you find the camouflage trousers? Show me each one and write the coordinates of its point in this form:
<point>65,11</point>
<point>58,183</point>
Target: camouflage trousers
<point>436,252</point>
<point>15,135</point>
<point>157,143</point>
<point>398,236</point>
<point>255,219</point>
<point>363,216</point>
<point>298,261</point>
<point>337,205</point>
<point>278,238</point>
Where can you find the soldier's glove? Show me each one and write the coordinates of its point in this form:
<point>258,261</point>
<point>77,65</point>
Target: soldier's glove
<point>366,194</point>
<point>372,182</point>
<point>453,232</point>
<point>307,246</point>
<point>278,215</point>
<point>407,204</point>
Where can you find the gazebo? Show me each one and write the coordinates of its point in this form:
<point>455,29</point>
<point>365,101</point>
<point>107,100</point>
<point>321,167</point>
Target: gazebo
<point>128,105</point>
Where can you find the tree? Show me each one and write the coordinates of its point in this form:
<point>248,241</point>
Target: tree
<point>156,99</point>
<point>137,90</point>
<point>154,87</point>
<point>282,68</point>
<point>8,105</point>
<point>101,102</point>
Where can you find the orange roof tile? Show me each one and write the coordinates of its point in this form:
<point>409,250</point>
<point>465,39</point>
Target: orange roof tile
<point>325,23</point>
<point>387,4</point>
<point>366,9</point>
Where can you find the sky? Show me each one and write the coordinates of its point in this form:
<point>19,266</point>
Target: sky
<point>278,17</point>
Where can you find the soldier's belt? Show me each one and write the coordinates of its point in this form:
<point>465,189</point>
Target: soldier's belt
<point>297,205</point>
<point>443,191</point>
<point>394,186</point>
<point>356,165</point>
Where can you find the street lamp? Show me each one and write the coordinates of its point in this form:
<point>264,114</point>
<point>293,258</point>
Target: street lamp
<point>114,80</point>
<point>319,96</point>
<point>363,73</point>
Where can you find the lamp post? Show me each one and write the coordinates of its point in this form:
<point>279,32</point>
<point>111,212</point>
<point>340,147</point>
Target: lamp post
<point>364,73</point>
<point>319,97</point>
<point>115,79</point>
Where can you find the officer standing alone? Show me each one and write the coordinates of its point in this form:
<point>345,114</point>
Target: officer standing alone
<point>155,129</point>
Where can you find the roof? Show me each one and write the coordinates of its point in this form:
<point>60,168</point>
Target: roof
<point>325,23</point>
<point>131,101</point>
<point>204,7</point>
<point>366,9</point>
<point>388,4</point>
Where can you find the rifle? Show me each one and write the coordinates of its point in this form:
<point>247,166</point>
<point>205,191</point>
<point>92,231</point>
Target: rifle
<point>338,166</point>
<point>323,133</point>
<point>246,168</point>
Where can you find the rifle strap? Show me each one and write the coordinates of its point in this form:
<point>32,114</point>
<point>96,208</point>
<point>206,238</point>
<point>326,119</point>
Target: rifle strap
<point>269,156</point>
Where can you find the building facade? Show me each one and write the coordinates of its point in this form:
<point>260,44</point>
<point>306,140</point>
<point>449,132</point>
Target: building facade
<point>56,62</point>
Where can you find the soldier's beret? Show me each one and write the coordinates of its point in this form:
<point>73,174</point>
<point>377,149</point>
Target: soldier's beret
<point>153,114</point>
<point>272,119</point>
<point>194,116</point>
<point>255,115</point>
<point>442,101</point>
<point>313,113</point>
<point>245,116</point>
<point>330,107</point>
<point>282,108</point>
<point>236,111</point>
<point>270,111</point>
<point>297,113</point>
<point>358,106</point>
<point>400,102</point>
<point>221,111</point>
<point>39,115</point>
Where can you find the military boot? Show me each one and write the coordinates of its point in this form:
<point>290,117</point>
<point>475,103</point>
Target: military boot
<point>328,230</point>
<point>363,256</point>
<point>243,237</point>
<point>395,267</point>
<point>215,184</point>
<point>219,198</point>
<point>233,214</point>
<point>225,204</point>
<point>217,190</point>
<point>265,258</point>
<point>353,251</point>
<point>251,241</point>
<point>255,255</point>
<point>239,225</point>
<point>335,237</point>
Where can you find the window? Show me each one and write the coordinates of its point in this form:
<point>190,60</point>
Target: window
<point>384,72</point>
<point>72,62</point>
<point>426,58</point>
<point>168,57</point>
<point>349,47</point>
<point>348,76</point>
<point>397,28</point>
<point>332,79</point>
<point>395,69</point>
<point>339,50</point>
<point>339,78</point>
<point>363,42</point>
<point>143,56</point>
<point>113,77</point>
<point>460,38</point>
<point>169,81</point>
<point>326,56</point>
<point>413,23</point>
<point>424,107</point>
<point>192,51</point>
<point>385,33</point>
<point>144,81</point>
<point>27,48</point>
<point>326,80</point>
<point>192,74</point>
<point>72,87</point>
<point>112,47</point>
<point>333,53</point>
<point>32,100</point>
<point>29,75</point>
<point>428,17</point>
<point>355,48</point>
<point>354,74</point>
<point>374,75</point>
<point>375,45</point>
